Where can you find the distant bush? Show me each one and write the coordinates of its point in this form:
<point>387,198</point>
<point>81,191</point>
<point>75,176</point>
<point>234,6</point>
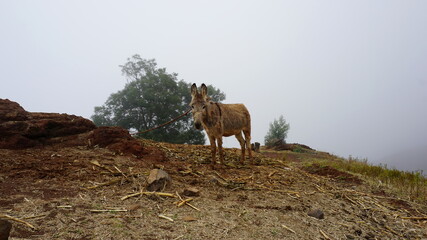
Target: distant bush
<point>278,132</point>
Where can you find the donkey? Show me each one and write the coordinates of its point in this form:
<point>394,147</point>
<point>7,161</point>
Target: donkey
<point>221,120</point>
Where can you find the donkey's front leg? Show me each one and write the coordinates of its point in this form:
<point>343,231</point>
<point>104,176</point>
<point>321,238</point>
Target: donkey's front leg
<point>221,152</point>
<point>213,149</point>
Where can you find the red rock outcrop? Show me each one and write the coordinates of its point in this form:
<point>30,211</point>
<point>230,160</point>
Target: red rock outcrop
<point>21,129</point>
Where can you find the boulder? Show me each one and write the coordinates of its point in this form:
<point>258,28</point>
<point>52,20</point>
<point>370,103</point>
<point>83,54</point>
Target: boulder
<point>157,180</point>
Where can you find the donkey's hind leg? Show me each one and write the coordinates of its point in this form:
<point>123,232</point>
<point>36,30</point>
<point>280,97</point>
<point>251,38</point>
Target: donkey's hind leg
<point>241,140</point>
<point>248,143</point>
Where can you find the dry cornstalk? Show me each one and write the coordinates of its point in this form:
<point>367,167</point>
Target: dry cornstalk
<point>96,163</point>
<point>193,207</point>
<point>324,234</point>
<point>165,217</point>
<point>17,220</point>
<point>391,230</point>
<point>216,173</point>
<point>105,184</point>
<point>107,210</point>
<point>36,216</point>
<point>319,188</point>
<point>349,199</point>
<point>415,218</point>
<point>277,190</point>
<point>287,228</point>
<point>148,193</point>
<point>120,171</point>
<point>186,202</point>
<point>64,206</point>
<point>271,174</point>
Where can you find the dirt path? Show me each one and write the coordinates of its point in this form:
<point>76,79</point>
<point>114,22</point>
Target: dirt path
<point>49,188</point>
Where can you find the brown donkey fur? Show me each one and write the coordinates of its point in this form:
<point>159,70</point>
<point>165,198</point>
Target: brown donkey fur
<point>221,120</point>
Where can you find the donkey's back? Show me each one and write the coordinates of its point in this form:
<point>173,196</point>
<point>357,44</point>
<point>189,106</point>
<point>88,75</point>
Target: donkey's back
<point>236,118</point>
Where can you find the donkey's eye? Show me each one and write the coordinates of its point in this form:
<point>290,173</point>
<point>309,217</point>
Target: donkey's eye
<point>192,106</point>
<point>204,106</point>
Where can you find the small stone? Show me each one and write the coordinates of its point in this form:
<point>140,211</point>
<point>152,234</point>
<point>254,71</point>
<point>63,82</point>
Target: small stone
<point>316,213</point>
<point>5,227</point>
<point>157,180</point>
<point>191,192</point>
<point>134,207</point>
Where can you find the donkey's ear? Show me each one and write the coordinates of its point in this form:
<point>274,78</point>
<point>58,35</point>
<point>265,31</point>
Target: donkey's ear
<point>194,90</point>
<point>204,90</point>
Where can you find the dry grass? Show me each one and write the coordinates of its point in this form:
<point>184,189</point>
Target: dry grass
<point>410,185</point>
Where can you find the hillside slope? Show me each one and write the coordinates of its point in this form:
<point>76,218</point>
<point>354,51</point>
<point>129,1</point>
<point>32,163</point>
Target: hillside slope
<point>89,191</point>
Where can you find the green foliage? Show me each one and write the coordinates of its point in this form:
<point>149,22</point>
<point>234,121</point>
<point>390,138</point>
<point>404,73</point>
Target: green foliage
<point>278,131</point>
<point>152,97</point>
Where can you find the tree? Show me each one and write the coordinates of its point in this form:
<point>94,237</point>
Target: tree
<point>152,97</point>
<point>278,131</point>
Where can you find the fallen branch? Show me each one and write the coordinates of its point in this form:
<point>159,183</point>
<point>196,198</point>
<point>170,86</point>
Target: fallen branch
<point>17,220</point>
<point>148,193</point>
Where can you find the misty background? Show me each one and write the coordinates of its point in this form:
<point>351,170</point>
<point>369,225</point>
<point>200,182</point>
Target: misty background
<point>349,76</point>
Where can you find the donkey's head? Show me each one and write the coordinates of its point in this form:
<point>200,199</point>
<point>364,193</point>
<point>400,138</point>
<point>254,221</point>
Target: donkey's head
<point>199,103</point>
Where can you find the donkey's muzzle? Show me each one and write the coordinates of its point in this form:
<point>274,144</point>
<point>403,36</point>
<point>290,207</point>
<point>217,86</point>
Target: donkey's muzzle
<point>198,125</point>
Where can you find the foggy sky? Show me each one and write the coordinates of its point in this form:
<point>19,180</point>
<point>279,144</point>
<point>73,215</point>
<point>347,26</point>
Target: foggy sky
<point>349,76</point>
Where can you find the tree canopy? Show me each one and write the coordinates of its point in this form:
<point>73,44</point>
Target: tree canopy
<point>278,131</point>
<point>152,97</point>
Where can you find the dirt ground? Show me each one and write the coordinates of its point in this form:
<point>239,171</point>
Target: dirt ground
<point>76,193</point>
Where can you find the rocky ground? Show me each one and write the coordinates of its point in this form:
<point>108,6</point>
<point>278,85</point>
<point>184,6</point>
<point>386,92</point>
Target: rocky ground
<point>90,183</point>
